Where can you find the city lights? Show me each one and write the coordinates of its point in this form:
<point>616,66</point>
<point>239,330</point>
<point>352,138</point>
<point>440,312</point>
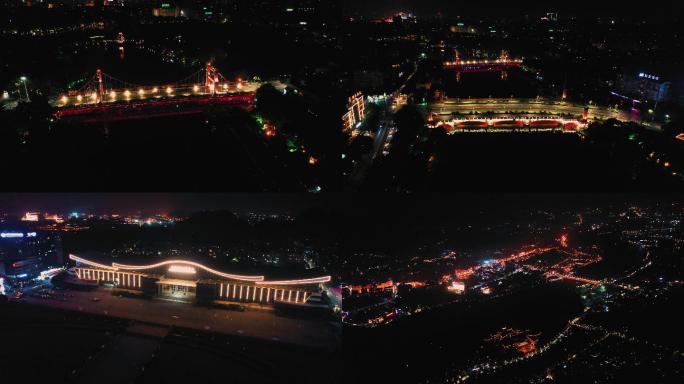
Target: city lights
<point>30,216</point>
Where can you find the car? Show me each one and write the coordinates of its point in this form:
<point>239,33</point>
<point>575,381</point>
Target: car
<point>96,299</point>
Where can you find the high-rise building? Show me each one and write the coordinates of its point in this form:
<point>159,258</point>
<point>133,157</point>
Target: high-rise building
<point>25,253</point>
<point>355,112</point>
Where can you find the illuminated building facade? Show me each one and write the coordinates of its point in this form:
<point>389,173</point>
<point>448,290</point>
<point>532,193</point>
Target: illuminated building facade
<point>645,87</point>
<point>191,281</point>
<point>355,112</point>
<point>24,254</point>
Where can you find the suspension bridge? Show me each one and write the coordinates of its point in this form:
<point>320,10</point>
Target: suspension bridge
<point>503,63</point>
<point>106,98</point>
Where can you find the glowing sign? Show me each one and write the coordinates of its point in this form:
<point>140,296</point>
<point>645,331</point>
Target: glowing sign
<point>9,235</point>
<point>182,269</point>
<point>650,77</point>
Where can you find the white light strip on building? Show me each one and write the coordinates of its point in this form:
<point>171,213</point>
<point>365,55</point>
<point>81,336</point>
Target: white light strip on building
<point>91,263</point>
<point>192,263</point>
<point>313,280</point>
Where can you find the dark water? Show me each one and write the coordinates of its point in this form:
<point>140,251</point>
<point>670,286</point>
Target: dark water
<point>489,84</point>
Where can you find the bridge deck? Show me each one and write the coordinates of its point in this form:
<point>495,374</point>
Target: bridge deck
<point>140,109</point>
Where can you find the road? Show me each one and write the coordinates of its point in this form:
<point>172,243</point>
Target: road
<point>251,323</point>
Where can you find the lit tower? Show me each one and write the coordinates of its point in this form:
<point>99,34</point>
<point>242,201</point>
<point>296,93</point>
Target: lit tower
<point>100,86</point>
<point>504,59</point>
<point>457,60</point>
<point>211,78</point>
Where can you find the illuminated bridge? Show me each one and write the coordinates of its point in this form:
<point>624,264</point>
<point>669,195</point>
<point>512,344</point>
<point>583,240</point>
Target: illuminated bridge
<point>188,280</point>
<point>503,63</point>
<point>504,123</point>
<point>105,98</point>
<point>506,113</point>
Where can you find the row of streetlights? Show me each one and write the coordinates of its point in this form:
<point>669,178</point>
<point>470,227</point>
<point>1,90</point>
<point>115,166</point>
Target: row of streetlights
<point>141,93</point>
<point>23,79</point>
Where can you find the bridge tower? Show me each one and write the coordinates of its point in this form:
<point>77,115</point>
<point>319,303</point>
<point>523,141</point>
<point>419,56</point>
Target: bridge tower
<point>100,86</point>
<point>211,79</point>
<point>504,58</point>
<point>457,60</point>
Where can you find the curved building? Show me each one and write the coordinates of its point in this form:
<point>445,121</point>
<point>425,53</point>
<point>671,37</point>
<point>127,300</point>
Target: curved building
<point>189,280</point>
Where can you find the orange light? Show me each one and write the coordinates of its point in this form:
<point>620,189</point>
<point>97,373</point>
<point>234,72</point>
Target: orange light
<point>313,280</point>
<point>312,160</point>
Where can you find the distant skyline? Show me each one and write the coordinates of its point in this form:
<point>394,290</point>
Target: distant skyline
<point>515,8</point>
<point>169,203</point>
<point>265,203</point>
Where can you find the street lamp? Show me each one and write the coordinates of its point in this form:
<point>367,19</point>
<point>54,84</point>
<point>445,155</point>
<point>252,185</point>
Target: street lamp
<point>23,80</point>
